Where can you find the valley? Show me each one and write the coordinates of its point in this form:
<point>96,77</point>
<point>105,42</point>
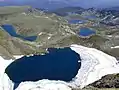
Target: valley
<point>29,31</point>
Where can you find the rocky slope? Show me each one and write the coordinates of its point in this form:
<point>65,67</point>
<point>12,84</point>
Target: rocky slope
<point>10,46</point>
<point>108,81</point>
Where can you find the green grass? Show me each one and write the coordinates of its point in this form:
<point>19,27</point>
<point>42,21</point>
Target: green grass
<point>1,34</point>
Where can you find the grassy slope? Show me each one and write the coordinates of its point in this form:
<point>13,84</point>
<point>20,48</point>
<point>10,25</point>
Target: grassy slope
<point>30,23</point>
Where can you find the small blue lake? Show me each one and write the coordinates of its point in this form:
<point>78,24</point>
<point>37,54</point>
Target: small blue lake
<point>90,17</point>
<point>74,21</point>
<point>11,30</point>
<point>30,38</point>
<point>58,64</point>
<point>86,32</point>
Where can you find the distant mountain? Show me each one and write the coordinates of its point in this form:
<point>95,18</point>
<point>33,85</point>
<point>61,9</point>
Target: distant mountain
<point>44,4</point>
<point>4,4</point>
<point>113,8</point>
<point>52,4</point>
<point>108,16</point>
<point>67,10</point>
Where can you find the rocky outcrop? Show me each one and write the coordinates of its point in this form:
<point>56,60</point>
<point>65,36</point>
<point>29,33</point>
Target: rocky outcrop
<point>108,81</point>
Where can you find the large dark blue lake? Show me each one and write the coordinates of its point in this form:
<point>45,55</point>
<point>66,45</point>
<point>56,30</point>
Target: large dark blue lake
<point>11,30</point>
<point>86,32</point>
<point>58,64</point>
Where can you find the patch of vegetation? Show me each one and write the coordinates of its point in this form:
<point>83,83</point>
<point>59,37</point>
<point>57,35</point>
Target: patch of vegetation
<point>1,34</point>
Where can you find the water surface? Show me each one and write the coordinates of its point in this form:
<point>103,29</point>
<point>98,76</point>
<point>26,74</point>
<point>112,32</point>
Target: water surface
<point>76,21</point>
<point>86,32</point>
<point>11,30</point>
<point>58,64</point>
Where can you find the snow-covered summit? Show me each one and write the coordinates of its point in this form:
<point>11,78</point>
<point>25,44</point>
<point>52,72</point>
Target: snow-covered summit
<point>94,65</point>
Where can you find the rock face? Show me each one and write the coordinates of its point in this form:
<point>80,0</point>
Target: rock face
<point>108,81</point>
<point>95,65</point>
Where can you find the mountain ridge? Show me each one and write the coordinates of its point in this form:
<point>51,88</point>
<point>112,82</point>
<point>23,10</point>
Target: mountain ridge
<point>48,4</point>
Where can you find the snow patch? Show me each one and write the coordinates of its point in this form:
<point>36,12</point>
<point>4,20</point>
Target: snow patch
<point>44,85</point>
<point>18,56</point>
<point>24,13</point>
<point>49,38</point>
<point>40,33</point>
<point>115,47</point>
<point>5,82</point>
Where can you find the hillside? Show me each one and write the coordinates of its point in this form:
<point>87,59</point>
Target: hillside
<point>53,30</point>
<point>48,28</point>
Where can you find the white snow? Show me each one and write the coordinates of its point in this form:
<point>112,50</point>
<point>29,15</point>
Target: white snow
<point>44,85</point>
<point>95,64</point>
<point>5,82</point>
<point>24,13</point>
<point>115,47</point>
<point>46,17</point>
<point>18,56</point>
<point>40,33</point>
<point>49,37</point>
